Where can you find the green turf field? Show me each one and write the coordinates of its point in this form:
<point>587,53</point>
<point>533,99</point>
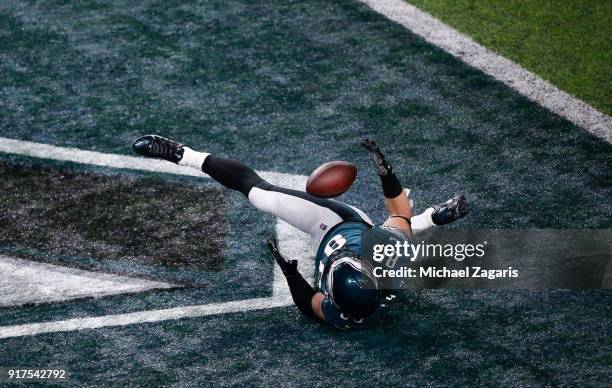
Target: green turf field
<point>283,86</point>
<point>565,42</point>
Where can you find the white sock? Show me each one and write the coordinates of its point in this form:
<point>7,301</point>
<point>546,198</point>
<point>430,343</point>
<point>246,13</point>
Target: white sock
<point>423,221</point>
<point>193,158</point>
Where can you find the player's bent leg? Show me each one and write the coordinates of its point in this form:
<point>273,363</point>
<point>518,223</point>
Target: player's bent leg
<point>310,214</point>
<point>302,210</point>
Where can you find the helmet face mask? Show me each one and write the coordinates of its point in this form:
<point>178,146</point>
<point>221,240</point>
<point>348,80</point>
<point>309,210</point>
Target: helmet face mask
<point>353,287</point>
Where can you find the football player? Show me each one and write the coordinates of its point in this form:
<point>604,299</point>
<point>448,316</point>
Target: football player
<point>347,294</point>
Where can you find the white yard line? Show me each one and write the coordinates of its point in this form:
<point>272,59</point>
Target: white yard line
<point>500,68</point>
<point>68,154</point>
<point>291,241</point>
<point>143,317</point>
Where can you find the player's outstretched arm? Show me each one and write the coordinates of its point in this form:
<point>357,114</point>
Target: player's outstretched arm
<point>397,202</point>
<point>307,300</point>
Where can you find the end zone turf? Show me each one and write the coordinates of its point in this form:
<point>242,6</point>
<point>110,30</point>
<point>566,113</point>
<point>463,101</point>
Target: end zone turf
<point>285,87</point>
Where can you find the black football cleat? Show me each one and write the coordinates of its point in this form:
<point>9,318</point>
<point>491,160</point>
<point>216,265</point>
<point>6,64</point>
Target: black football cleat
<point>155,146</point>
<point>450,211</point>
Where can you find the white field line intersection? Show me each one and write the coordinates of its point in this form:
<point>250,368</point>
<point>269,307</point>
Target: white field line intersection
<point>526,83</point>
<point>291,241</point>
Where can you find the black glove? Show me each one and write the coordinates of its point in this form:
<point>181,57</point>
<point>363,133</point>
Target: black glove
<point>383,168</point>
<point>289,267</point>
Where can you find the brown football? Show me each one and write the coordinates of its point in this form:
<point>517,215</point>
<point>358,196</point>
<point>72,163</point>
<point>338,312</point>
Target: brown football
<point>331,179</point>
